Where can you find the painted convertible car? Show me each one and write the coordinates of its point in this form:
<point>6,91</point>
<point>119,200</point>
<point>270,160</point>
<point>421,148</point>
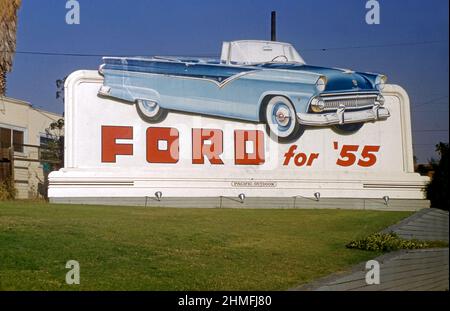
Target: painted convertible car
<point>257,81</point>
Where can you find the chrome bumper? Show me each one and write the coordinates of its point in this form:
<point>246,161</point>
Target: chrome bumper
<point>341,116</point>
<point>104,90</point>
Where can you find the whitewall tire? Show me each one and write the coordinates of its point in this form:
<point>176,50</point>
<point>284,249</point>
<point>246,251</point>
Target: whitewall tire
<point>150,111</point>
<point>281,119</point>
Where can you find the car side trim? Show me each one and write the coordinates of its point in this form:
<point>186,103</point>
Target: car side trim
<point>218,84</point>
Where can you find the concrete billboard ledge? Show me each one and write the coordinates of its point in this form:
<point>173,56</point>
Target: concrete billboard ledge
<point>253,202</point>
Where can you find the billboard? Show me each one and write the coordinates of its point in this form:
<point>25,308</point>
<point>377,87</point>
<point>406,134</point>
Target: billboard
<point>111,151</point>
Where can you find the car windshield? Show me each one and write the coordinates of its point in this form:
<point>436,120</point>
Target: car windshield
<point>258,52</point>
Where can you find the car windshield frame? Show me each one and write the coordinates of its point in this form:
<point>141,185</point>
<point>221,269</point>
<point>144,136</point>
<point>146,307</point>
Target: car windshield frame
<point>253,52</point>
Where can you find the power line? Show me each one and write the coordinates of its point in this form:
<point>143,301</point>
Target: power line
<point>432,110</point>
<point>58,54</point>
<point>71,54</point>
<point>431,101</point>
<point>431,131</point>
<point>39,53</point>
<point>427,146</point>
<point>378,45</point>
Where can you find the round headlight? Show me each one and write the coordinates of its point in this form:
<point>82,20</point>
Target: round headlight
<point>321,84</point>
<point>380,82</point>
<point>317,104</point>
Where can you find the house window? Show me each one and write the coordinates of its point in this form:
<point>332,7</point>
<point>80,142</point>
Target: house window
<point>10,138</point>
<point>18,141</point>
<point>5,138</point>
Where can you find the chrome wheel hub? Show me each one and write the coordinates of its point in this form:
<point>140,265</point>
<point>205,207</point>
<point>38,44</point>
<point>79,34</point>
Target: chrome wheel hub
<point>282,116</point>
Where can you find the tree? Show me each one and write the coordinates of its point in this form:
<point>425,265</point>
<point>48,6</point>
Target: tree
<point>54,149</point>
<point>437,189</point>
<point>8,29</point>
<point>51,153</point>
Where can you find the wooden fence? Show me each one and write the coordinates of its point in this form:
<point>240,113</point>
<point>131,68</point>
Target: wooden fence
<point>6,164</point>
<point>20,162</point>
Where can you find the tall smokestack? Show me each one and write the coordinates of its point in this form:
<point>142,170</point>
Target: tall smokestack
<point>273,28</point>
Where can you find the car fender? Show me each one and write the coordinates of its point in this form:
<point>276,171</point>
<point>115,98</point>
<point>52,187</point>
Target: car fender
<point>132,94</point>
<point>300,100</point>
<point>137,93</point>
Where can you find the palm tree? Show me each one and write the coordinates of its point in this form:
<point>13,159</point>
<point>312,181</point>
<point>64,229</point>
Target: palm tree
<point>8,28</point>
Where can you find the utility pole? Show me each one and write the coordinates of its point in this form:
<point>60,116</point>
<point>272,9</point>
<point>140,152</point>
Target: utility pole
<point>273,28</point>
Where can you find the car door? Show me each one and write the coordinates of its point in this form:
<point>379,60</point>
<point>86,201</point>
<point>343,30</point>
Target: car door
<point>216,90</point>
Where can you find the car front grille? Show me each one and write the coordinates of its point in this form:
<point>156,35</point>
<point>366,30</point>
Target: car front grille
<point>349,101</point>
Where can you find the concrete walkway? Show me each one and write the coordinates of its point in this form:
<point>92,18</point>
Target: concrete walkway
<point>404,270</point>
<point>428,224</point>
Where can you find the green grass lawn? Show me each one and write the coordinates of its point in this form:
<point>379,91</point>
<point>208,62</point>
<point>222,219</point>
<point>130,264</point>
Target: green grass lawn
<point>136,248</point>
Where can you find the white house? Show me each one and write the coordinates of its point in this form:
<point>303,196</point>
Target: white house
<point>22,129</point>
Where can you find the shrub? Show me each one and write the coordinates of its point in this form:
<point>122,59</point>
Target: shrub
<point>387,242</point>
<point>437,189</point>
<point>7,190</point>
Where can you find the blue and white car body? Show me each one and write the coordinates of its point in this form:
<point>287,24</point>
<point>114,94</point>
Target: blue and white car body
<point>256,81</point>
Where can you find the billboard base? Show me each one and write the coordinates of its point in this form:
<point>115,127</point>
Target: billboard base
<point>253,202</point>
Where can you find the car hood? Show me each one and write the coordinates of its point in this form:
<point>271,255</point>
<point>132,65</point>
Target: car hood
<point>338,80</point>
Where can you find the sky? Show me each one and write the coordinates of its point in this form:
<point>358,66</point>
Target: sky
<point>410,45</point>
